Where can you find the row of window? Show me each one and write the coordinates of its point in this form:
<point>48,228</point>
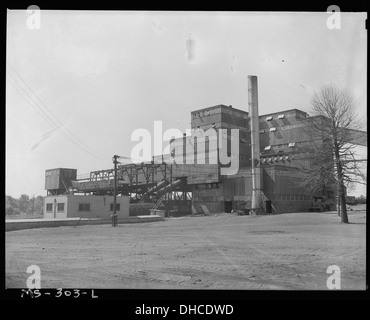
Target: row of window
<point>289,145</point>
<point>272,129</point>
<point>275,159</point>
<point>60,207</point>
<point>291,197</point>
<point>270,118</point>
<point>82,207</point>
<point>206,113</point>
<point>202,186</point>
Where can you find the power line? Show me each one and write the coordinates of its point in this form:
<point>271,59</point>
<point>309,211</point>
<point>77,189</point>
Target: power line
<point>59,123</point>
<point>46,117</point>
<point>19,88</point>
<point>53,120</point>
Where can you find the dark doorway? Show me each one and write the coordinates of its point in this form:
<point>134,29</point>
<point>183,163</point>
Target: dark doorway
<point>268,206</point>
<point>228,206</point>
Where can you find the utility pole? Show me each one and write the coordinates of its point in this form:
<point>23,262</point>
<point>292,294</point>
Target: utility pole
<point>114,217</point>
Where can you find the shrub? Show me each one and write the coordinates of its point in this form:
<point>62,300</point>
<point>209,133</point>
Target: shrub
<point>9,211</point>
<point>17,211</point>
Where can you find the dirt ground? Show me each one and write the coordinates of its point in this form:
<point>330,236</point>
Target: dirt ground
<point>287,251</point>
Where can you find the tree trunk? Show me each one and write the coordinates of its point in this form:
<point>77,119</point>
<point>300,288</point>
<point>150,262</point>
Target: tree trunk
<point>342,197</point>
<point>338,202</point>
<point>341,192</point>
<point>343,207</point>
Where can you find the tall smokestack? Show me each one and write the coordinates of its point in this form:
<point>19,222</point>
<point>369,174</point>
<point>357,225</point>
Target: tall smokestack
<point>255,143</point>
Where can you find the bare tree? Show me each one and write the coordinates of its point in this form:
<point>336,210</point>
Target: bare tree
<point>317,171</point>
<point>334,128</point>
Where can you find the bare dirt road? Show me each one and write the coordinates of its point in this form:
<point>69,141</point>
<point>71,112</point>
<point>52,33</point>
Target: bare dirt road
<point>287,251</point>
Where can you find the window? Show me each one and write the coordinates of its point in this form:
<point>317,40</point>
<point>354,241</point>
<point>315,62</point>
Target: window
<point>272,129</point>
<point>291,145</point>
<point>49,207</point>
<point>262,131</point>
<point>268,118</point>
<point>84,207</point>
<point>268,148</point>
<point>60,207</point>
<point>118,207</point>
<point>281,116</point>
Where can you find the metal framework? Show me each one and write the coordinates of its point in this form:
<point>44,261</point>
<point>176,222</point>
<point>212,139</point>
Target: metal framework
<point>131,179</point>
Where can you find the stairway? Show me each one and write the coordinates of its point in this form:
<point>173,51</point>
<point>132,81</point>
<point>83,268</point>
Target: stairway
<point>160,201</point>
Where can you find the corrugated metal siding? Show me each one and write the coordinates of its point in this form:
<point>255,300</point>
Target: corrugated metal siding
<point>184,170</point>
<point>140,209</point>
<point>207,120</point>
<point>54,178</point>
<point>52,181</point>
<point>235,120</point>
<point>213,207</point>
<point>283,181</point>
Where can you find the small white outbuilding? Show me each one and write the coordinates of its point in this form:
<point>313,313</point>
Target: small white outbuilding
<point>85,206</point>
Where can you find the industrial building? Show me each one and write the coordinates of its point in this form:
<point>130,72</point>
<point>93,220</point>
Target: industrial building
<point>272,149</point>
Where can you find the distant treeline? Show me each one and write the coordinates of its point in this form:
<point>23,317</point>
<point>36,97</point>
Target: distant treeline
<point>24,204</point>
<point>352,200</point>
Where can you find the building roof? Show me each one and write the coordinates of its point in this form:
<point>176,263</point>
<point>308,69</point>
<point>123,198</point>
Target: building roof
<point>60,169</point>
<point>283,111</point>
<point>222,106</point>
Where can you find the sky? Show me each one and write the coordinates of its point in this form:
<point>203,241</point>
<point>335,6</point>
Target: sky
<point>80,84</point>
